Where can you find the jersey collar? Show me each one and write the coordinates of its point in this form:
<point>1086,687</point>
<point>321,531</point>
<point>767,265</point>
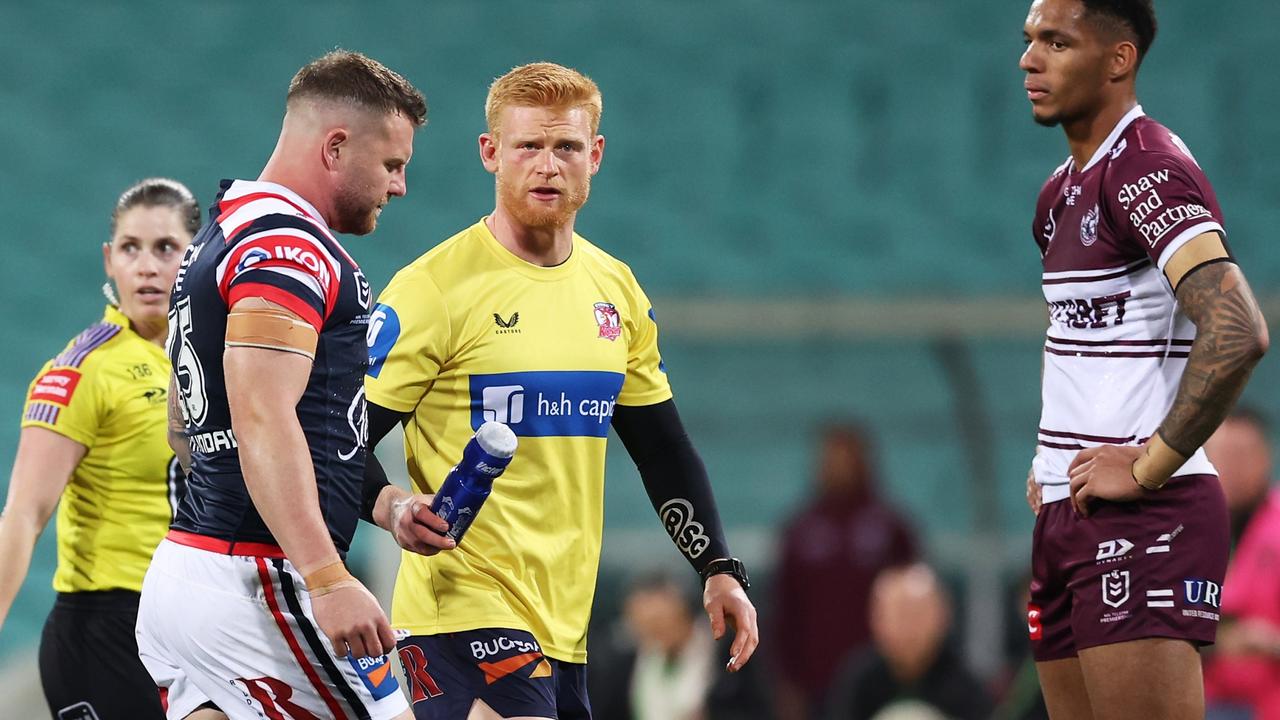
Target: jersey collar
<point>528,269</point>
<point>1110,142</point>
<point>240,188</point>
<point>113,316</point>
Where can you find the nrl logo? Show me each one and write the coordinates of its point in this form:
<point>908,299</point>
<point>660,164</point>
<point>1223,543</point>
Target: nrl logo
<point>1115,588</point>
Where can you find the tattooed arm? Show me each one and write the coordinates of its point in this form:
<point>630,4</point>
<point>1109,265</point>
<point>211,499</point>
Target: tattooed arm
<point>1231,337</point>
<point>178,426</point>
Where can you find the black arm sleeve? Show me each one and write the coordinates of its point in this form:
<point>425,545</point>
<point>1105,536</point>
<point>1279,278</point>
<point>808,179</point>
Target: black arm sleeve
<point>675,479</point>
<point>381,420</point>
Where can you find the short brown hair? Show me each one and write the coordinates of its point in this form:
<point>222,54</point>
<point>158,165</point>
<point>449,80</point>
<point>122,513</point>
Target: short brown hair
<point>352,77</point>
<point>543,84</point>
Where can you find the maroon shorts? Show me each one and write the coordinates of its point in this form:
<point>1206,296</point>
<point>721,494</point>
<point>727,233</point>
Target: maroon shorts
<point>1149,568</point>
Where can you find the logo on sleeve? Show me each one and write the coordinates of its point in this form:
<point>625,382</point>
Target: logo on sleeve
<point>689,534</point>
<point>251,257</point>
<point>384,330</point>
<point>609,321</point>
<point>56,386</point>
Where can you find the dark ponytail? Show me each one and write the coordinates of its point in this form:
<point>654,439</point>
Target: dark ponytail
<point>162,192</point>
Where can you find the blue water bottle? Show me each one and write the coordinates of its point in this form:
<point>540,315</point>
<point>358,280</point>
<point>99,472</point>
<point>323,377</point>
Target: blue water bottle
<point>470,481</point>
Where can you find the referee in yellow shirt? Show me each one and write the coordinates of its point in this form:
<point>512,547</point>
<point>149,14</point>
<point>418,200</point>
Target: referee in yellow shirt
<point>94,435</point>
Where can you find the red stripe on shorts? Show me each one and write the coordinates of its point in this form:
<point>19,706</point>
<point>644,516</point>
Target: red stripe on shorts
<point>268,588</point>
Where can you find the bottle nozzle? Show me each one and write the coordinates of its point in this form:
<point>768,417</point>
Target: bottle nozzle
<point>496,439</point>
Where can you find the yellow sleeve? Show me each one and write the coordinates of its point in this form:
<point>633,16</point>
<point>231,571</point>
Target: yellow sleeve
<point>646,381</point>
<point>69,401</point>
<point>408,340</point>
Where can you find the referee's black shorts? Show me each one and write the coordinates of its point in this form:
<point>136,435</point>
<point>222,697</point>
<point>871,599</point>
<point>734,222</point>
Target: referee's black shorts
<point>89,664</point>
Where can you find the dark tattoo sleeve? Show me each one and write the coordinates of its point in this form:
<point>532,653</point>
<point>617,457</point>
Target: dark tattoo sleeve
<point>178,427</point>
<point>1231,337</point>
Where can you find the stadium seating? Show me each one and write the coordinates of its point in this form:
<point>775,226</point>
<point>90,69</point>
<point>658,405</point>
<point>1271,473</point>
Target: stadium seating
<point>755,150</point>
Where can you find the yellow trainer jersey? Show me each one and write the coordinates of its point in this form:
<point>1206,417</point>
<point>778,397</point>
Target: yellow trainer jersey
<point>107,391</point>
<point>467,333</point>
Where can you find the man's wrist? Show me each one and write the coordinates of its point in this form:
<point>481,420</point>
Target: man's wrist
<point>1156,464</point>
<point>328,578</point>
<point>384,508</point>
<point>732,567</point>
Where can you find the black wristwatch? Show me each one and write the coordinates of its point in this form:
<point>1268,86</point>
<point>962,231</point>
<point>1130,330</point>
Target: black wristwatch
<point>732,567</point>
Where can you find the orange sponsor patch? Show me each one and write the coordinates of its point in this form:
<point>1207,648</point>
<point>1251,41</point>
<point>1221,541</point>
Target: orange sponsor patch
<point>495,671</point>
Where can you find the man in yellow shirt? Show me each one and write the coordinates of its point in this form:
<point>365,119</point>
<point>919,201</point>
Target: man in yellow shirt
<point>518,319</point>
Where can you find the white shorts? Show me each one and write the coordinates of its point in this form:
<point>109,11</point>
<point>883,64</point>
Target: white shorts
<point>237,631</point>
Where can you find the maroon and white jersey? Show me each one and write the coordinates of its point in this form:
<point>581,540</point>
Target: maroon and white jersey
<point>1117,342</point>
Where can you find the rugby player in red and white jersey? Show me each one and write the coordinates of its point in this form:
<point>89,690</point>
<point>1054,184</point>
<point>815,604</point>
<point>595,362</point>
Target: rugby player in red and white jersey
<point>247,607</point>
<point>1153,333</point>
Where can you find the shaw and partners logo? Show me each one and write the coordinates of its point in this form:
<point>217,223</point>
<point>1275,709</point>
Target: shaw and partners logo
<point>551,403</point>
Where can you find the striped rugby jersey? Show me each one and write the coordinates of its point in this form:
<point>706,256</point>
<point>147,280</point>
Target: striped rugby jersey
<point>264,240</point>
<point>1117,342</point>
<point>107,391</point>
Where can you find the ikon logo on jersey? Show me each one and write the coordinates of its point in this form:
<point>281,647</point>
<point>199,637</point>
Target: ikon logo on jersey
<point>56,386</point>
<point>550,403</point>
<point>376,675</point>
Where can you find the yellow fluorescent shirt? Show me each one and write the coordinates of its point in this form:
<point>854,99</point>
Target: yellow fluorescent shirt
<point>467,333</point>
<point>107,391</point>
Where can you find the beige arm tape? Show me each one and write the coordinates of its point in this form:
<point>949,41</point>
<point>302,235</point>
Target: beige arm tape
<point>1198,250</point>
<point>255,322</point>
<point>329,578</point>
<point>1156,464</point>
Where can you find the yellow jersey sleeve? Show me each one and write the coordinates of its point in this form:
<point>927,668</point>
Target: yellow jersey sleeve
<point>646,382</point>
<point>67,400</point>
<point>408,338</point>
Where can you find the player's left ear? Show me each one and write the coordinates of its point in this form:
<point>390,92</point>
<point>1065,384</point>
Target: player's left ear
<point>488,144</point>
<point>597,153</point>
<point>336,142</point>
<point>1123,60</point>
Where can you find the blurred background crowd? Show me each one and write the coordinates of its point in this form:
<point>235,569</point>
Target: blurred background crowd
<point>830,205</point>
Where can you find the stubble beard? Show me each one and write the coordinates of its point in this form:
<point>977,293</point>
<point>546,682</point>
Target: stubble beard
<point>515,199</point>
<point>354,214</point>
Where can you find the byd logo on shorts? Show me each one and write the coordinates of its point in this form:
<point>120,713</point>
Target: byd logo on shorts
<point>550,403</point>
